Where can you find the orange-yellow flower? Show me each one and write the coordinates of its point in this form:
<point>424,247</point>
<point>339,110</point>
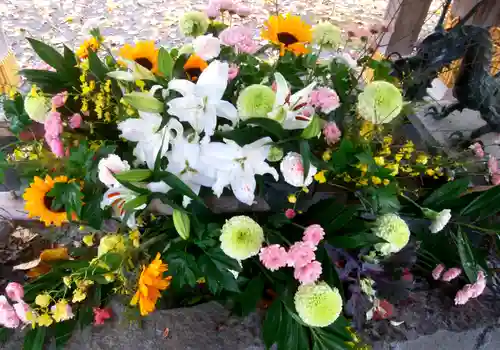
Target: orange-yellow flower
<point>89,44</point>
<point>151,282</point>
<point>291,33</point>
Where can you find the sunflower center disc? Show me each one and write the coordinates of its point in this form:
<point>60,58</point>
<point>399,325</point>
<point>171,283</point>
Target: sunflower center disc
<point>287,38</point>
<point>193,73</point>
<point>144,62</point>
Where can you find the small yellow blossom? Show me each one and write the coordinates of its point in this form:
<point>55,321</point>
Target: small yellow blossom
<point>394,167</point>
<point>43,300</point>
<point>386,182</point>
<point>363,167</point>
<point>44,320</point>
<point>363,182</point>
<point>109,277</point>
<point>305,189</point>
<point>439,171</point>
<point>135,236</point>
<point>201,280</point>
<point>62,311</point>
<point>140,84</point>
<point>380,161</point>
<point>430,172</point>
<point>386,151</point>
<point>320,177</point>
<point>398,157</point>
<point>67,281</point>
<point>327,155</point>
<point>387,141</point>
<point>292,198</point>
<point>422,159</point>
<point>406,169</point>
<point>12,92</point>
<point>347,178</point>
<point>376,180</point>
<point>88,240</point>
<point>415,174</point>
<point>78,295</point>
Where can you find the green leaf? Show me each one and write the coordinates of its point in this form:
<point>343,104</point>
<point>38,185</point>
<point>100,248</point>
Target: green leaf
<point>305,152</point>
<point>92,212</point>
<point>222,261</point>
<point>134,175</point>
<point>5,334</point>
<point>143,101</point>
<point>447,193</point>
<point>182,223</point>
<point>469,263</point>
<point>67,195</point>
<point>177,184</point>
<point>49,82</point>
<point>183,266</point>
<point>291,335</point>
<point>217,278</point>
<point>271,126</point>
<point>251,295</point>
<point>272,322</point>
<point>48,54</point>
<point>16,115</point>
<point>131,205</point>
<point>341,219</point>
<point>313,129</point>
<point>3,166</point>
<point>35,339</point>
<point>165,63</point>
<point>365,239</point>
<point>133,187</point>
<point>485,205</point>
<point>96,66</point>
<point>112,260</point>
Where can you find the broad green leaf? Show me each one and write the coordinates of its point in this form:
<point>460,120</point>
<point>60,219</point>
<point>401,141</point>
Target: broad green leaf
<point>49,82</point>
<point>485,205</point>
<point>271,126</point>
<point>165,63</point>
<point>92,212</point>
<point>291,335</point>
<point>365,239</point>
<point>35,339</point>
<point>305,153</point>
<point>251,295</point>
<point>143,101</point>
<point>3,166</point>
<point>181,223</point>
<point>341,219</point>
<point>67,195</point>
<point>447,193</point>
<point>469,263</point>
<point>272,322</point>
<point>96,66</point>
<point>48,54</point>
<point>217,278</point>
<point>134,175</point>
<point>112,260</point>
<point>131,205</point>
<point>313,129</point>
<point>222,260</point>
<point>183,266</point>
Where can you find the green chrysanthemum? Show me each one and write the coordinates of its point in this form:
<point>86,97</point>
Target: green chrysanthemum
<point>327,35</point>
<point>318,305</point>
<point>380,102</point>
<point>392,229</point>
<point>194,23</point>
<point>255,101</point>
<point>275,154</point>
<point>37,107</point>
<point>241,237</point>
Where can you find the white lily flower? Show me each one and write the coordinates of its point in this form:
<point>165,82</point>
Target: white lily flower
<point>144,131</point>
<point>108,167</point>
<point>237,166</point>
<point>159,187</point>
<point>292,111</point>
<point>206,46</point>
<point>201,102</point>
<point>116,197</point>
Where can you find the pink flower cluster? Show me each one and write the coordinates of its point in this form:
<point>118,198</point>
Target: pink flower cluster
<point>60,99</point>
<point>11,316</point>
<point>493,169</point>
<point>449,275</point>
<point>301,256</point>
<point>332,133</point>
<point>100,315</point>
<point>53,130</point>
<point>216,7</point>
<point>325,99</point>
<point>471,291</point>
<point>477,149</point>
<point>241,38</point>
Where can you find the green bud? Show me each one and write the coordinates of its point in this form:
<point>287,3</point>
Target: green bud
<point>275,154</point>
<point>143,101</point>
<point>313,129</point>
<point>134,175</point>
<point>182,223</point>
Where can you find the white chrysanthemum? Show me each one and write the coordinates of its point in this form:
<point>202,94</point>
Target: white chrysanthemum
<point>380,102</point>
<point>318,305</point>
<point>255,101</point>
<point>193,23</point>
<point>293,170</point>
<point>37,107</point>
<point>392,229</point>
<point>439,220</point>
<point>327,35</point>
<point>241,237</point>
<point>109,166</point>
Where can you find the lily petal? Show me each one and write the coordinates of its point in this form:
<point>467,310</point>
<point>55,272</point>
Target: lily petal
<point>282,89</point>
<point>244,188</point>
<point>227,111</point>
<point>212,82</point>
<point>182,86</point>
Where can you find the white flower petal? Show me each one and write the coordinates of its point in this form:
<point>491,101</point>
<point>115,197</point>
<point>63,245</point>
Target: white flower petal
<point>182,86</point>
<point>160,187</point>
<point>227,111</point>
<point>282,89</point>
<point>212,82</point>
<point>244,188</point>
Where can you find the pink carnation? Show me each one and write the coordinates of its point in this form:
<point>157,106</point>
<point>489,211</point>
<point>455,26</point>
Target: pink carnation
<point>57,147</point>
<point>100,315</point>
<point>60,99</point>
<point>290,213</point>
<point>308,273</point>
<point>75,121</point>
<point>325,99</point>
<point>462,296</point>
<point>477,148</point>
<point>451,274</point>
<point>313,234</point>
<point>273,257</point>
<point>8,316</point>
<point>233,72</point>
<point>478,288</point>
<point>239,37</point>
<point>53,126</point>
<point>15,291</point>
<point>22,310</point>
<point>492,165</point>
<point>300,254</point>
<point>332,133</point>
<point>438,271</point>
<point>212,11</point>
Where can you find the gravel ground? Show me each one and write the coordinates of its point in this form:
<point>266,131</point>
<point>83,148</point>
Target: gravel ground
<point>68,21</point>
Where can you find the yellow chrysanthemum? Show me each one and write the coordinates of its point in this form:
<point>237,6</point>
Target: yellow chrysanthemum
<point>89,44</point>
<point>39,204</point>
<point>151,282</point>
<point>194,66</point>
<point>289,32</point>
<point>144,53</point>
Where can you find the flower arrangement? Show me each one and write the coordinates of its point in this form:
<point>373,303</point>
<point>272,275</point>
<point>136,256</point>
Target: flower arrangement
<point>264,175</point>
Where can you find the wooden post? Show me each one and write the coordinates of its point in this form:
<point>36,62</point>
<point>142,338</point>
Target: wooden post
<point>8,65</point>
<point>405,19</point>
<point>487,15</point>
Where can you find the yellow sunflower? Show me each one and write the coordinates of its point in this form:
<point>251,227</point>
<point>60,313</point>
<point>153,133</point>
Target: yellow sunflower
<point>89,44</point>
<point>39,204</point>
<point>194,66</point>
<point>289,32</point>
<point>144,53</point>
